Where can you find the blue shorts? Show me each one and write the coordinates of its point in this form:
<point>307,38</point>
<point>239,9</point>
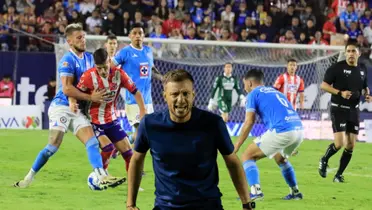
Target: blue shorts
<point>112,130</point>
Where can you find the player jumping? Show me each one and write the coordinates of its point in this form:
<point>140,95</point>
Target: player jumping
<point>103,115</point>
<point>291,84</point>
<point>70,68</point>
<point>225,85</point>
<point>138,62</point>
<point>284,133</point>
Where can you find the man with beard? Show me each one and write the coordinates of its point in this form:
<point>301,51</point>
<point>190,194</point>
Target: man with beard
<point>347,82</point>
<point>62,114</point>
<point>184,141</point>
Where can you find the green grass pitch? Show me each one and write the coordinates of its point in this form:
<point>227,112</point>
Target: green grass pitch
<point>62,183</point>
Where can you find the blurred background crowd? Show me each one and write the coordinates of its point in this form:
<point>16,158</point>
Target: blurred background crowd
<point>283,21</point>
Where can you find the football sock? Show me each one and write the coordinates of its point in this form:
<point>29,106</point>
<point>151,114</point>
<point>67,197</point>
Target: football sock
<point>289,176</point>
<point>106,154</point>
<point>130,137</point>
<point>127,156</point>
<point>251,172</point>
<point>94,156</point>
<point>41,159</point>
<point>331,150</point>
<point>344,161</point>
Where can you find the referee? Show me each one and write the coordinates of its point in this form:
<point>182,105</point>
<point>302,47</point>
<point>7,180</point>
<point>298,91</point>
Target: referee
<point>184,142</point>
<point>347,82</point>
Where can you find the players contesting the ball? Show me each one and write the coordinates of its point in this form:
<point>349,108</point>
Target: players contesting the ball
<point>103,114</point>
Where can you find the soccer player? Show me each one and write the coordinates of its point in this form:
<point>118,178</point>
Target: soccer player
<point>111,45</point>
<point>138,62</point>
<point>291,84</point>
<point>72,65</point>
<point>184,141</point>
<point>102,115</point>
<point>225,85</point>
<point>284,133</point>
<point>347,82</point>
<point>108,149</point>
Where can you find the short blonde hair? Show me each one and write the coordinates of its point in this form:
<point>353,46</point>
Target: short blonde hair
<point>71,28</point>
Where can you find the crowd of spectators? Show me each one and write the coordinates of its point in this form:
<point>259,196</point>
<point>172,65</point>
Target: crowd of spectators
<point>283,21</point>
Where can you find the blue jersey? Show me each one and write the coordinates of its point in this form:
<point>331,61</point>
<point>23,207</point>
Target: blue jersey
<point>184,156</point>
<point>71,66</point>
<point>137,64</point>
<point>274,109</point>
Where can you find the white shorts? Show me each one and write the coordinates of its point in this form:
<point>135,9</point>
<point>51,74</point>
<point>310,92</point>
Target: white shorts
<point>284,143</point>
<point>61,118</point>
<point>132,111</point>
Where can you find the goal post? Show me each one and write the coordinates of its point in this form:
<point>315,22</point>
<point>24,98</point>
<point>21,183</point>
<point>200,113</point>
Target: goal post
<point>205,61</point>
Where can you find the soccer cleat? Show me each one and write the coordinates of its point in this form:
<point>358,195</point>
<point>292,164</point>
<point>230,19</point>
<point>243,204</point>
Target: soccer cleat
<point>257,197</point>
<point>23,183</point>
<point>110,181</point>
<point>339,178</point>
<point>323,168</point>
<point>292,196</point>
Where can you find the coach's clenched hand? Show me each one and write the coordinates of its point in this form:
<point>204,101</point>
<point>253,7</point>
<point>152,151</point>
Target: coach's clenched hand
<point>98,96</point>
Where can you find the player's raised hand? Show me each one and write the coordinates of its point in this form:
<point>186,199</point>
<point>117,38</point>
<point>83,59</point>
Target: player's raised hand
<point>346,94</point>
<point>98,95</point>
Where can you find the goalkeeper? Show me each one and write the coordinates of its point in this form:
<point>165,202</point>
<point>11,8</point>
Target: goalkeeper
<point>225,84</point>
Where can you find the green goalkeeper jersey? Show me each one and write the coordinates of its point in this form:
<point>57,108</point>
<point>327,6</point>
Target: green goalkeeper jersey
<point>225,86</point>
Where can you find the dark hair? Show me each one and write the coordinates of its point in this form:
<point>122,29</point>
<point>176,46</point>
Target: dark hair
<point>228,63</point>
<point>352,42</point>
<point>177,75</point>
<point>72,28</point>
<point>100,56</point>
<point>111,37</point>
<point>254,74</point>
<point>291,60</point>
<point>137,25</point>
<point>7,76</point>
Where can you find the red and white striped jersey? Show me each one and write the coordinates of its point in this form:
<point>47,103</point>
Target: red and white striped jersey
<point>360,6</point>
<point>290,86</point>
<point>105,112</point>
<point>339,6</point>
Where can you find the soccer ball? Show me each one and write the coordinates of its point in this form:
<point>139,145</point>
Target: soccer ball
<point>93,181</point>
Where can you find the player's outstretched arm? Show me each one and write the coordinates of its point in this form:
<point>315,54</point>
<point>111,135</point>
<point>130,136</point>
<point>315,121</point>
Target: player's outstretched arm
<point>71,91</point>
<point>250,118</point>
<point>134,177</point>
<point>237,175</point>
<point>156,74</point>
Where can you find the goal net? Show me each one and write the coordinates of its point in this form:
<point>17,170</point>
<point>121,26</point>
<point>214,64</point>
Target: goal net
<point>205,61</point>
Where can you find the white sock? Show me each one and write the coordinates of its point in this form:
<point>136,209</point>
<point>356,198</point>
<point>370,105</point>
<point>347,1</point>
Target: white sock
<point>30,175</point>
<point>101,173</point>
<point>256,189</point>
<point>294,190</point>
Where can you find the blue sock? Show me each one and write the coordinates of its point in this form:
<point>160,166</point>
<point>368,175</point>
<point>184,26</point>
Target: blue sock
<point>130,137</point>
<point>288,174</point>
<point>94,156</point>
<point>43,157</point>
<point>251,172</point>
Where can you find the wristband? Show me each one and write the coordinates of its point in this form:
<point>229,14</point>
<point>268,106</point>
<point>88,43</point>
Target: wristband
<point>249,205</point>
<point>339,93</point>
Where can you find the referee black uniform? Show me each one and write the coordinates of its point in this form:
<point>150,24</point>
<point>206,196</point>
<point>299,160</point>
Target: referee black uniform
<point>344,109</point>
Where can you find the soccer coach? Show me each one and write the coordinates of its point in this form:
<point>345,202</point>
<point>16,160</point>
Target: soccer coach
<point>184,141</point>
<point>347,82</point>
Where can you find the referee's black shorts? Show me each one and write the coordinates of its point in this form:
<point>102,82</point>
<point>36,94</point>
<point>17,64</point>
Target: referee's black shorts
<point>345,119</point>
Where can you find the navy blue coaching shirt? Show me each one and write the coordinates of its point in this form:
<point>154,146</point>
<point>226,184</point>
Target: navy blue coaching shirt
<point>184,157</point>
